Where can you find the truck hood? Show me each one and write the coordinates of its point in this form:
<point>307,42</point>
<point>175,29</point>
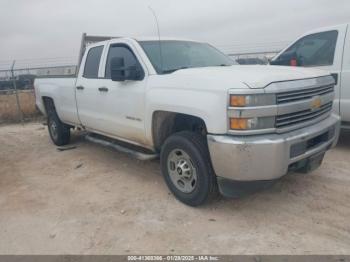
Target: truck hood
<point>252,76</point>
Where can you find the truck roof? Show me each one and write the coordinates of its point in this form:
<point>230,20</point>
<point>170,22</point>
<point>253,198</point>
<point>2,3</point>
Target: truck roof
<point>138,39</point>
<point>142,39</point>
<point>162,39</point>
<point>90,41</point>
<point>326,28</point>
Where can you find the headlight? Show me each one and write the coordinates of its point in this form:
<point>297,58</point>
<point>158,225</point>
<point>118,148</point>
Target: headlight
<point>252,123</point>
<point>252,100</point>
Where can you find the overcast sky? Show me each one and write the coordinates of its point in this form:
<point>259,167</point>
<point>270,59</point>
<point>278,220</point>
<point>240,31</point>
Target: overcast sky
<point>52,28</point>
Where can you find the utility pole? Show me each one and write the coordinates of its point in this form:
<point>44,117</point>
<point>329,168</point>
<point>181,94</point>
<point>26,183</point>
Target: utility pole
<point>19,111</point>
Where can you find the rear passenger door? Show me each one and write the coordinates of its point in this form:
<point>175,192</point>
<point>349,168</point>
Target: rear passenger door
<point>88,82</point>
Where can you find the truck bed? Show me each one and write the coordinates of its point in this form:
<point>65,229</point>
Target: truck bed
<point>62,90</point>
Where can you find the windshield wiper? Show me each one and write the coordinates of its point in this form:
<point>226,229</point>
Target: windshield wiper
<point>173,70</point>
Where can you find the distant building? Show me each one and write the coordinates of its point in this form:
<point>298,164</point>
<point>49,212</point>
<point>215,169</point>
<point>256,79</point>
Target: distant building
<point>256,58</point>
<point>56,71</point>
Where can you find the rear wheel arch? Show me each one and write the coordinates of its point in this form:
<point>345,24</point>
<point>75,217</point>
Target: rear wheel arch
<point>59,131</point>
<point>49,104</point>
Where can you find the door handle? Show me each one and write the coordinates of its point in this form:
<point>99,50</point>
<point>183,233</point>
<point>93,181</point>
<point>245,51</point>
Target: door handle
<point>103,89</point>
<point>80,87</point>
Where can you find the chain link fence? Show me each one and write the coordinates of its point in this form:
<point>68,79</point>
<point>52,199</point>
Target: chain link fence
<point>17,95</point>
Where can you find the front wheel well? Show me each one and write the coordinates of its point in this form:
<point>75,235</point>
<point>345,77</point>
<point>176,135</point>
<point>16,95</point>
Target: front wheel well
<point>164,124</point>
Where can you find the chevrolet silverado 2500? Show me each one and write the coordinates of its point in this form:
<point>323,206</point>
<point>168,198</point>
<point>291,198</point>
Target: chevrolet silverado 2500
<point>213,123</point>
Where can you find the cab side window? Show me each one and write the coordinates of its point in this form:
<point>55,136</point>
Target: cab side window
<point>123,51</point>
<point>92,62</point>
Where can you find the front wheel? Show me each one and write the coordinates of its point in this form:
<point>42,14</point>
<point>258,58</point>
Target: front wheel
<point>187,169</point>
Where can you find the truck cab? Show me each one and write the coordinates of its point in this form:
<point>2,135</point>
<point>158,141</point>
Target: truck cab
<point>325,49</point>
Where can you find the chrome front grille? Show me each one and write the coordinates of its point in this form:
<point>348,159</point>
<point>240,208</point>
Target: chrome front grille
<point>294,96</point>
<point>295,118</point>
<point>297,104</point>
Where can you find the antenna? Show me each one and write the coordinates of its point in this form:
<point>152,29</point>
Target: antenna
<point>159,42</point>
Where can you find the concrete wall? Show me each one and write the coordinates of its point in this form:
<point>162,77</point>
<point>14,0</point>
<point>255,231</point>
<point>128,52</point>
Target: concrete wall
<point>8,105</point>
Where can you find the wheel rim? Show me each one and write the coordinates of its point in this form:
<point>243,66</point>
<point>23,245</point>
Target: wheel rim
<point>182,171</point>
<point>53,130</point>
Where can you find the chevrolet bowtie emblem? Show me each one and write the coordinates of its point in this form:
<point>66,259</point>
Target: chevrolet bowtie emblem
<point>316,103</point>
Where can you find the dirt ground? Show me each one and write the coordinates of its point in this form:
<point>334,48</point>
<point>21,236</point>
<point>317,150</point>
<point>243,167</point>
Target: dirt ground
<point>92,200</point>
<point>8,105</point>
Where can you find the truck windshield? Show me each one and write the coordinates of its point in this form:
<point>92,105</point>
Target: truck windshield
<point>183,54</point>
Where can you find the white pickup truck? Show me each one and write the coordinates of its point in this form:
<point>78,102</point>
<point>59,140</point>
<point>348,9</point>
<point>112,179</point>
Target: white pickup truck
<point>214,124</point>
<point>327,49</point>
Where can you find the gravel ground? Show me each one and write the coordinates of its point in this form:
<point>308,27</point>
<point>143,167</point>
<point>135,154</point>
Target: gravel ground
<point>92,200</point>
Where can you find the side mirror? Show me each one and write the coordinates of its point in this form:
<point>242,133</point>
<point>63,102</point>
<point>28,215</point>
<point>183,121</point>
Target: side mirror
<point>118,69</point>
<point>121,73</point>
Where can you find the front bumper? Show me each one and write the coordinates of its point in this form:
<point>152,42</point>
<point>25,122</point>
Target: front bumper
<point>269,157</point>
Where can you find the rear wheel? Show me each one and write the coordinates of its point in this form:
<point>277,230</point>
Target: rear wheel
<point>187,169</point>
<point>59,132</point>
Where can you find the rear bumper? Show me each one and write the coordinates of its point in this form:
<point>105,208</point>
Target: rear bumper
<point>269,157</point>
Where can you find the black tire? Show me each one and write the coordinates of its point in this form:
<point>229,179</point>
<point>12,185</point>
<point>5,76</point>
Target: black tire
<point>59,132</point>
<point>195,147</point>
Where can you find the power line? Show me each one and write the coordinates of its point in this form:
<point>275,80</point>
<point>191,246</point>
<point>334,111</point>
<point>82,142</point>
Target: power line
<point>39,59</point>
